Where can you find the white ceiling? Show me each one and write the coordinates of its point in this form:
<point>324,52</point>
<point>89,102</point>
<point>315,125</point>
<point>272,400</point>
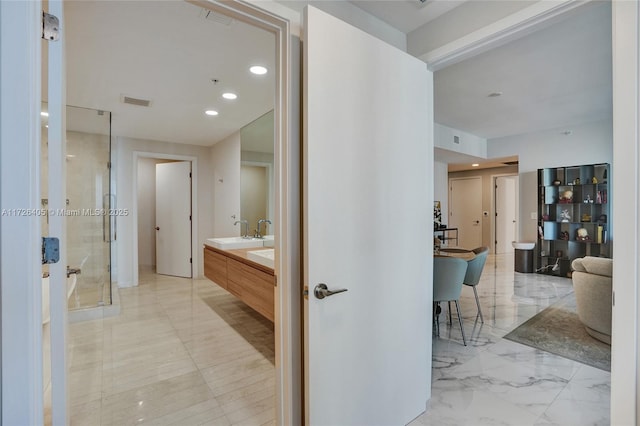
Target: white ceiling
<point>167,52</point>
<point>556,77</point>
<point>407,15</point>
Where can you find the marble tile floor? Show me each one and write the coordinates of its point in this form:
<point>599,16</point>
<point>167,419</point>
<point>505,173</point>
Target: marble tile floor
<point>182,352</point>
<point>185,352</point>
<point>494,381</point>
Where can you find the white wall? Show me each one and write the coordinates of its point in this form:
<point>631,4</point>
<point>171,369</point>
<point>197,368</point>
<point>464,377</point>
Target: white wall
<point>225,164</point>
<point>125,193</point>
<point>445,138</point>
<point>589,143</point>
<point>341,9</point>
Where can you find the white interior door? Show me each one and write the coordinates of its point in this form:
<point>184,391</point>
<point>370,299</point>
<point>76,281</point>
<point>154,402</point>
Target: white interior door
<point>173,219</point>
<point>465,210</point>
<point>368,167</point>
<point>506,197</point>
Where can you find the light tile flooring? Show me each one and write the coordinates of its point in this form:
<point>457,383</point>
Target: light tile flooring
<point>182,352</point>
<point>185,352</point>
<point>494,381</point>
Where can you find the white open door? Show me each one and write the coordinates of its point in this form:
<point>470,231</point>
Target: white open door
<point>368,199</point>
<point>173,219</point>
<point>506,197</point>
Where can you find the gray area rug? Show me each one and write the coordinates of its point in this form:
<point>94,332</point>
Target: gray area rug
<point>558,330</point>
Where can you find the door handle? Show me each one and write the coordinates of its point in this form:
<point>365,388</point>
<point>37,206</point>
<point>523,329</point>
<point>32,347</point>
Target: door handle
<point>321,291</point>
<point>476,222</point>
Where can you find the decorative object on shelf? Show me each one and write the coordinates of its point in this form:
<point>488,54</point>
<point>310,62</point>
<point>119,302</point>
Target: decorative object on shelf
<point>566,197</point>
<point>572,216</point>
<point>437,215</point>
<point>582,235</point>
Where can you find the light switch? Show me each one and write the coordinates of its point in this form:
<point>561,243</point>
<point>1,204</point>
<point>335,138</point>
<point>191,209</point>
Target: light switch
<point>534,215</point>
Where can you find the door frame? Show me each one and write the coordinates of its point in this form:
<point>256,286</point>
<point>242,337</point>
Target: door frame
<point>494,230</point>
<point>194,206</point>
<point>288,293</point>
<point>20,69</point>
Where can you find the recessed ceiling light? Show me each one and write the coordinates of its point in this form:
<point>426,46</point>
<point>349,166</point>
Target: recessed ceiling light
<point>44,114</point>
<point>494,94</point>
<point>258,70</point>
<point>229,95</point>
<point>211,112</point>
<point>475,165</point>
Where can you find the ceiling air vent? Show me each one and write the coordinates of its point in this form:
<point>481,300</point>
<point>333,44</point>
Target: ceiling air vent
<point>135,101</point>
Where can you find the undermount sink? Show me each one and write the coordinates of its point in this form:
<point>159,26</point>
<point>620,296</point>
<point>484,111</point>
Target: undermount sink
<point>523,245</point>
<point>264,257</point>
<point>230,243</point>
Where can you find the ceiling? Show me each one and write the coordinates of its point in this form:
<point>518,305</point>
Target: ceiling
<point>407,15</point>
<point>168,52</point>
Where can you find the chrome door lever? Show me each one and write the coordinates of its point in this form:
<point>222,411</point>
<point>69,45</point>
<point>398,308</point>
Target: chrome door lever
<point>321,291</point>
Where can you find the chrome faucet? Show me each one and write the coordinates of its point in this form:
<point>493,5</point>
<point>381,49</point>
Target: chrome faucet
<point>260,222</point>
<point>246,227</point>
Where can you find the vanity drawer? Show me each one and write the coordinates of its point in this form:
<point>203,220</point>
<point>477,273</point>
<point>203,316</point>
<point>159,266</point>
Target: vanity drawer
<point>215,267</point>
<point>256,288</point>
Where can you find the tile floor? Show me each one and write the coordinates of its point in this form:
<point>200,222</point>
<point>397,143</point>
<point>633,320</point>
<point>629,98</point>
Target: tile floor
<point>182,352</point>
<point>185,352</point>
<point>494,381</point>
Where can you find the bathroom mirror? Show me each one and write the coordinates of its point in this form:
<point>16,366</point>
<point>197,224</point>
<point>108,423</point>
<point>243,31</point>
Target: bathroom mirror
<point>256,173</point>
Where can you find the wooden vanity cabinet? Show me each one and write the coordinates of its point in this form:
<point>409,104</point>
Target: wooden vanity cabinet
<point>250,282</point>
<point>215,267</point>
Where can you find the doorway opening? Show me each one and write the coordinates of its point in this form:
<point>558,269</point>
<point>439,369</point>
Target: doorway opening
<point>164,259</point>
<point>506,212</point>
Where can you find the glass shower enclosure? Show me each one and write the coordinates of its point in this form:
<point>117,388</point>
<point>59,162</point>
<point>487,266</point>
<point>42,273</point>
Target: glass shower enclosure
<point>90,229</point>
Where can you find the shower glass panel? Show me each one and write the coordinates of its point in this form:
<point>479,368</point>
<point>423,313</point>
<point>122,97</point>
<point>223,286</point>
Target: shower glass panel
<point>90,229</point>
